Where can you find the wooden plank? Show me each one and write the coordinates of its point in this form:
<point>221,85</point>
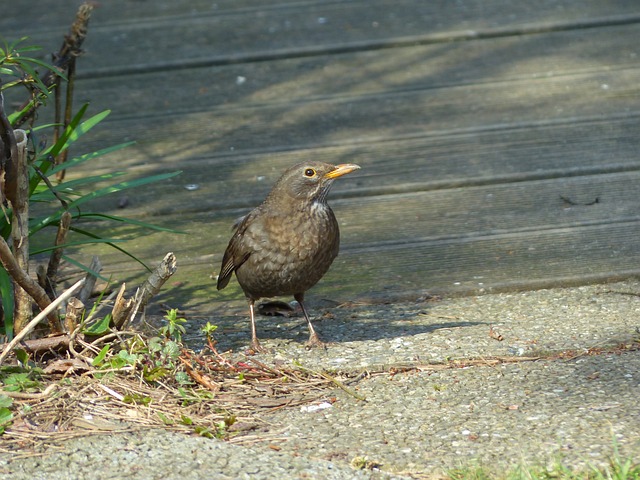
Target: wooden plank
<point>364,73</point>
<point>51,14</point>
<point>310,29</point>
<point>496,262</point>
<point>402,165</point>
<point>457,240</point>
<point>163,141</point>
<point>439,215</point>
<point>470,120</point>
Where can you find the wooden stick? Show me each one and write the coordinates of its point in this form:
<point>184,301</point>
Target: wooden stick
<point>61,238</point>
<point>121,309</point>
<point>71,48</point>
<point>96,267</point>
<point>50,308</point>
<point>152,284</point>
<point>25,281</point>
<point>74,312</point>
<point>20,232</point>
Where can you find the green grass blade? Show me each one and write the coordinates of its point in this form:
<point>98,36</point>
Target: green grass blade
<point>131,221</point>
<point>121,250</point>
<point>69,164</point>
<point>77,244</point>
<point>83,267</point>
<point>122,186</point>
<point>6,292</point>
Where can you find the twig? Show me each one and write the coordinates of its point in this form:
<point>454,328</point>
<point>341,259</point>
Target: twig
<point>95,267</point>
<point>335,381</point>
<point>71,48</point>
<point>50,308</point>
<point>68,111</point>
<point>25,281</point>
<point>103,303</point>
<point>32,396</point>
<point>56,254</point>
<point>74,311</point>
<point>121,308</point>
<point>152,284</point>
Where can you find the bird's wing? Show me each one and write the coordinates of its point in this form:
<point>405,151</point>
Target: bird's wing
<point>233,255</point>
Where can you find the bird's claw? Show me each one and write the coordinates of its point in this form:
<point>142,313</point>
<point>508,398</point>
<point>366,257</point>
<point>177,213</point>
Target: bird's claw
<point>315,342</point>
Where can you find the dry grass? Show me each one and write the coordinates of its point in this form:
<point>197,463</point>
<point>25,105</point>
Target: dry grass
<point>226,399</point>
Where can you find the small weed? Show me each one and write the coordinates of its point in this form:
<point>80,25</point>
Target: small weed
<point>174,329</point>
<point>21,381</point>
<point>5,413</point>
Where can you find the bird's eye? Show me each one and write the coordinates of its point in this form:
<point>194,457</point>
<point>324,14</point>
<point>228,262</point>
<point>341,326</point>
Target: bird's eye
<point>309,172</point>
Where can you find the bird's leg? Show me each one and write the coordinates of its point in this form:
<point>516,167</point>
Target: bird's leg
<point>255,344</point>
<point>314,339</point>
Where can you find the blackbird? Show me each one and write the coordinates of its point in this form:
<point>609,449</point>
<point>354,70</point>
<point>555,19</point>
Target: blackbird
<point>286,244</point>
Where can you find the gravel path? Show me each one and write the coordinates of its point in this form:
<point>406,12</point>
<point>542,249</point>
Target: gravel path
<point>418,420</point>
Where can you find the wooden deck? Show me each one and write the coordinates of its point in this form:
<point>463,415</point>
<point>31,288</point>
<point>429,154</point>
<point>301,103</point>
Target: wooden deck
<point>499,139</point>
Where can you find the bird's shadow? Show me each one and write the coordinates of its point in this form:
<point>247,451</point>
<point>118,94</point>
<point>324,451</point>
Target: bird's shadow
<point>361,323</point>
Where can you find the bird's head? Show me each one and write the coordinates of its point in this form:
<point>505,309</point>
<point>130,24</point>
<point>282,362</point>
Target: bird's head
<point>310,181</point>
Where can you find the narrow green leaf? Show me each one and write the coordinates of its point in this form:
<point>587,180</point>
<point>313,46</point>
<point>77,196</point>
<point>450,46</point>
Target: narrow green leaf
<point>76,244</point>
<point>5,417</point>
<point>101,356</point>
<point>69,164</point>
<point>166,420</point>
<point>84,268</point>
<point>111,244</point>
<point>100,327</point>
<point>40,63</point>
<point>62,143</point>
<point>131,221</point>
<point>6,294</point>
<point>122,186</point>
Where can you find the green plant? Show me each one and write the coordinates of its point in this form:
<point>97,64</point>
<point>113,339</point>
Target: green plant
<point>5,413</point>
<point>174,329</point>
<point>208,330</point>
<point>57,202</point>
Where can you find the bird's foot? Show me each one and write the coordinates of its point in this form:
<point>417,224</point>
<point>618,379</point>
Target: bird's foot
<point>315,342</point>
<point>255,347</point>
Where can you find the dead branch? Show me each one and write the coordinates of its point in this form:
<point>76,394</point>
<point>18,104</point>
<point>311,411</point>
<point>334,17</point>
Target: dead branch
<point>20,231</point>
<point>74,312</point>
<point>70,49</point>
<point>90,280</point>
<point>43,281</point>
<point>45,312</point>
<point>25,281</point>
<point>121,309</point>
<point>46,344</point>
<point>61,238</point>
<point>153,284</point>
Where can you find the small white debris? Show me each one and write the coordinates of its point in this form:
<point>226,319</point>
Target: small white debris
<point>240,80</point>
<point>322,20</point>
<point>315,408</point>
<point>192,186</point>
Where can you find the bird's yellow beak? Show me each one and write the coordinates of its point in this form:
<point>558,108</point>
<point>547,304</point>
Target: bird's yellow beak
<point>342,169</point>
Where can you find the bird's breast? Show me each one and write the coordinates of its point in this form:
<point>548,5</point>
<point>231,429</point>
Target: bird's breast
<point>289,251</point>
